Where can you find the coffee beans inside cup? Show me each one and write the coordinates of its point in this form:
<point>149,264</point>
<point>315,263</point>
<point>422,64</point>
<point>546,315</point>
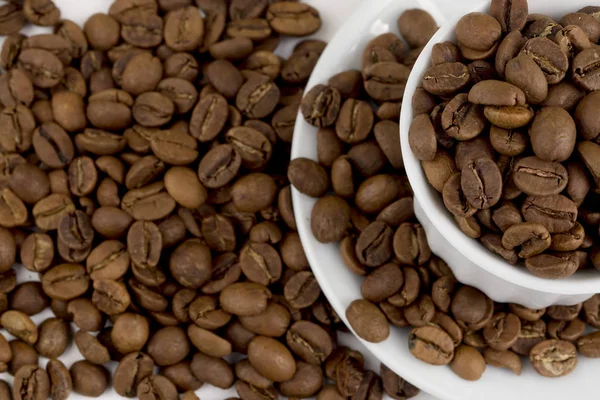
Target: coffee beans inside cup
<point>143,162</point>
<point>505,132</point>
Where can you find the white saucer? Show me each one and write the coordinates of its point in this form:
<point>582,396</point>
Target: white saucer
<point>342,287</point>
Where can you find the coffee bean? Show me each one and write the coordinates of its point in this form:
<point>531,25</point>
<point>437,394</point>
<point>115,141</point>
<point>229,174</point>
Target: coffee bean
<point>512,16</point>
<point>54,338</point>
<point>445,79</point>
<point>431,345</point>
<point>554,358</point>
<point>264,353</point>
<point>174,147</point>
<point>295,19</point>
<point>132,369</point>
<point>31,382</point>
<point>321,105</point>
<point>20,325</point>
<point>28,297</point>
<point>89,379</point>
<point>85,315</point>
<point>468,363</point>
<point>65,281</point>
<point>214,371</point>
<point>549,57</point>
<point>61,384</point>
<point>556,213</point>
<point>302,290</point>
<point>110,297</point>
<point>422,138</point>
<point>52,145</point>
<point>191,264</point>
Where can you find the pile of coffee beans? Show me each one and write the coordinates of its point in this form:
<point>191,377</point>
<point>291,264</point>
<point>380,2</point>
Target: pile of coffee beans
<point>506,130</point>
<point>143,163</point>
<point>366,204</point>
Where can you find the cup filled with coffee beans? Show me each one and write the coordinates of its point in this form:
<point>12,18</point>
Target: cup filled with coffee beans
<point>499,146</point>
<point>376,258</point>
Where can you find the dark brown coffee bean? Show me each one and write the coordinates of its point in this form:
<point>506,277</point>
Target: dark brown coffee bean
<point>16,89</point>
<point>553,266</point>
<point>264,353</point>
<point>65,281</point>
<point>481,183</point>
<point>61,384</point>
<point>556,213</point>
<point>53,145</point>
<point>548,55</point>
<point>43,68</point>
<point>431,345</point>
<point>22,354</point>
<point>570,240</point>
<point>588,345</point>
<point>28,297</point>
<point>410,244</point>
<point>91,349</point>
<point>132,369</point>
<point>75,230</point>
<point>208,118</point>
<point>308,177</point>
<point>190,263</point>
<point>321,106</point>
<point>16,134</point>
<point>554,358</point>
<point>20,325</point>
<point>174,147</point>
<point>89,379</point>
<point>512,16</point>
<point>261,263</point>
<point>110,297</point>
<point>536,177</point>
<point>302,290</point>
<point>85,315</point>
<point>214,371</point>
<point>144,244</point>
<point>31,382</point>
<point>446,79</point>
<point>219,166</point>
<point>244,298</point>
<point>396,387</point>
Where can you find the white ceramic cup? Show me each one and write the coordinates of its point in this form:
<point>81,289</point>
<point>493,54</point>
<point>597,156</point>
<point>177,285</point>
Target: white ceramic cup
<point>471,262</point>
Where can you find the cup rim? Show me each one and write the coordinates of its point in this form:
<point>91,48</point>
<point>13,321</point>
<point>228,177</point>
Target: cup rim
<point>582,282</point>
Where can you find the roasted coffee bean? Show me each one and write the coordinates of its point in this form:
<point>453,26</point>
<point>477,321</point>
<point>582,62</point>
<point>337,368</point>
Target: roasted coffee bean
<point>512,16</point>
<point>431,345</point>
<point>31,382</point>
<point>446,79</point>
<point>214,371</point>
<point>295,19</point>
<point>85,315</point>
<point>132,369</point>
<point>89,379</point>
<point>321,105</point>
<point>110,297</point>
<point>554,358</point>
<point>61,383</point>
<point>28,297</point>
<point>20,325</point>
<point>557,213</point>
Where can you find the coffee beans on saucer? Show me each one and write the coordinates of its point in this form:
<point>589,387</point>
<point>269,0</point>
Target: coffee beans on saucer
<point>365,203</point>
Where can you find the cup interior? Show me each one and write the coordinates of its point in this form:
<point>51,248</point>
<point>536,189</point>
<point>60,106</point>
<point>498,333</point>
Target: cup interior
<point>587,281</point>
